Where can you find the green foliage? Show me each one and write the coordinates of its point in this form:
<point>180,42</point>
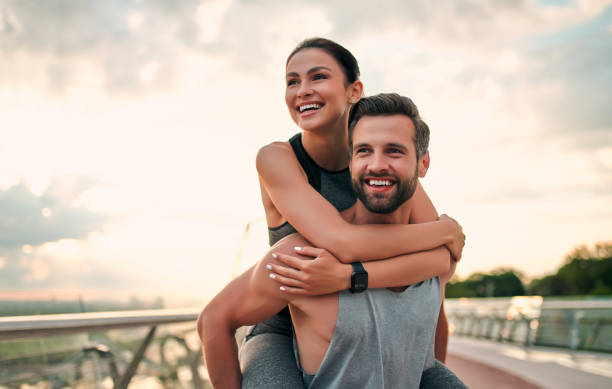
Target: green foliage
<point>585,272</point>
<point>501,282</point>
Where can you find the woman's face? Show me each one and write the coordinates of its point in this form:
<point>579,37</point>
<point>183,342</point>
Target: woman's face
<point>316,93</point>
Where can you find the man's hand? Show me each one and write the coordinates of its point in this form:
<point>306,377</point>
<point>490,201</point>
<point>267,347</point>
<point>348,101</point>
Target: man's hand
<point>457,237</point>
<point>311,277</point>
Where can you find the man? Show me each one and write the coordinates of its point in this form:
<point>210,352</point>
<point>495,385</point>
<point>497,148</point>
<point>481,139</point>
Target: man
<point>381,338</point>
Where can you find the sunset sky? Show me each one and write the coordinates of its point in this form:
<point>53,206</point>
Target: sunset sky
<point>129,130</point>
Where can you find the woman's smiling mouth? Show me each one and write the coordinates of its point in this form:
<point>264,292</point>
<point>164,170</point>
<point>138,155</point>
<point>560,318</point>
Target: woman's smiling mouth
<point>307,109</point>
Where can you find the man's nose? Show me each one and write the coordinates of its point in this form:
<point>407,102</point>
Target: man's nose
<point>378,163</point>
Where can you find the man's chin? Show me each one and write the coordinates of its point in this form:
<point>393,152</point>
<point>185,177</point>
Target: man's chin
<point>380,207</point>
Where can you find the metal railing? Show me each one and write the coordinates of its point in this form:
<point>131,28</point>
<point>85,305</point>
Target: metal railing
<point>116,363</point>
<point>573,324</point>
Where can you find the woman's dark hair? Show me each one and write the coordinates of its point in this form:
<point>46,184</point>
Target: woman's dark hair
<point>345,59</point>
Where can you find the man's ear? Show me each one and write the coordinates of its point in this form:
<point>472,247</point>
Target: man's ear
<point>355,91</point>
<point>423,164</point>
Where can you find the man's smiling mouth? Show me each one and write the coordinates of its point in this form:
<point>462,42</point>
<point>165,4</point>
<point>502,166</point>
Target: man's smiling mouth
<point>374,182</point>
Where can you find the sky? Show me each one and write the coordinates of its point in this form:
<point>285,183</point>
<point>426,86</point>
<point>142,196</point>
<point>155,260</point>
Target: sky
<point>129,129</point>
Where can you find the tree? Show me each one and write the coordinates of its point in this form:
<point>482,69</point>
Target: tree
<point>585,272</point>
<point>502,282</point>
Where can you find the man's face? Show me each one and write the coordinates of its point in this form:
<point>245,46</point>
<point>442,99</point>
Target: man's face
<point>384,167</point>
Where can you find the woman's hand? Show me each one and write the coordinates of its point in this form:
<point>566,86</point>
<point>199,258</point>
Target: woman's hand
<point>457,237</point>
<point>323,274</point>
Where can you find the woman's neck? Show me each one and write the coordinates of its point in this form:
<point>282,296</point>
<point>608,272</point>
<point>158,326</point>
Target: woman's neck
<point>329,149</point>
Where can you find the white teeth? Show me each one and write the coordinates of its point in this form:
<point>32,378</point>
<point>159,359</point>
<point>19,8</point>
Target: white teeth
<point>303,108</point>
<point>380,182</point>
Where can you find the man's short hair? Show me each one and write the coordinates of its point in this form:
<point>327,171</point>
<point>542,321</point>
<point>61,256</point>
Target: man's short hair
<point>386,104</point>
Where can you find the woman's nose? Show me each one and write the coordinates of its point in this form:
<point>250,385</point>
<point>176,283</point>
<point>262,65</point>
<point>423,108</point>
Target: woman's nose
<point>305,89</point>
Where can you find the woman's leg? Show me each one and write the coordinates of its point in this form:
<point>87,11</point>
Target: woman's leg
<point>267,359</point>
<point>440,377</point>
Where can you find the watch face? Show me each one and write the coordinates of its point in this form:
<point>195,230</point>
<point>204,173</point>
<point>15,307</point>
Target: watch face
<point>360,281</point>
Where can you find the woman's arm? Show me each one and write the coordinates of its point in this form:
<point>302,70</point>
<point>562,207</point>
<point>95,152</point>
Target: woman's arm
<point>248,299</point>
<point>319,222</point>
<point>412,268</point>
<point>325,274</point>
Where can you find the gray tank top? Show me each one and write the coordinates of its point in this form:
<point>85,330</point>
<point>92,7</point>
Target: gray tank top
<point>383,339</point>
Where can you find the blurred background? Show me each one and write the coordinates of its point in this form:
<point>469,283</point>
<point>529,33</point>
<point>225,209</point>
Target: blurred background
<point>128,135</point>
<point>129,131</point>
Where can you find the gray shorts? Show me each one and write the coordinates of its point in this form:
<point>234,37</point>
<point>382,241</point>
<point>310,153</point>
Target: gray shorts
<point>266,356</point>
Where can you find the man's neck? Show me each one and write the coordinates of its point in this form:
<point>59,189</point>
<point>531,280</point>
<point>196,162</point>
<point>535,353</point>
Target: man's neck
<point>359,214</point>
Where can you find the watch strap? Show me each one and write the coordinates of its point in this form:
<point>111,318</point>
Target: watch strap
<point>359,278</point>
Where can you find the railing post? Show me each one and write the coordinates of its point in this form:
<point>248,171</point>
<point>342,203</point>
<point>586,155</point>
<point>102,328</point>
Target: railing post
<point>575,330</point>
<point>194,362</point>
<point>104,352</point>
<point>131,368</point>
<point>528,321</point>
<point>193,359</point>
<point>500,321</point>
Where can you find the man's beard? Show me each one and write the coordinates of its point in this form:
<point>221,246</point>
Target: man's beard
<point>379,202</point>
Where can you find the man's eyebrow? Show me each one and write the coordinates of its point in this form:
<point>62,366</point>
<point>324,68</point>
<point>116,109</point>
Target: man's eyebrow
<point>310,71</point>
<point>357,145</point>
<point>398,145</point>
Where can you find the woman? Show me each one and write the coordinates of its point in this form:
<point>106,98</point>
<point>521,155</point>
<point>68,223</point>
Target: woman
<point>304,184</point>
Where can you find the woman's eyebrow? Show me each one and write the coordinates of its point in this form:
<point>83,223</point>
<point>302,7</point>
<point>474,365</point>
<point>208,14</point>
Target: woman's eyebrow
<point>310,71</point>
<point>317,68</point>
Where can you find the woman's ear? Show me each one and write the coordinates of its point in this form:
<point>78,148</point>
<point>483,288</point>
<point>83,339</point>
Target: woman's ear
<point>355,91</point>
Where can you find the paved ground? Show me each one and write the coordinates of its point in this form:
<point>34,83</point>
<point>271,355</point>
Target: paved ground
<point>477,375</point>
<point>487,364</point>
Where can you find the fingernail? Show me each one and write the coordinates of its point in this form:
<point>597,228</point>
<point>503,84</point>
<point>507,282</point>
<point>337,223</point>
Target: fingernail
<point>269,267</point>
<point>272,275</point>
<point>282,288</point>
<point>297,248</point>
<point>274,255</point>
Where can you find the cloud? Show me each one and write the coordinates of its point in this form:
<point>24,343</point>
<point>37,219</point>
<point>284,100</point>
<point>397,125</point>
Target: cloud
<point>28,219</point>
<point>544,78</point>
<point>118,38</point>
<point>42,270</point>
<point>137,46</point>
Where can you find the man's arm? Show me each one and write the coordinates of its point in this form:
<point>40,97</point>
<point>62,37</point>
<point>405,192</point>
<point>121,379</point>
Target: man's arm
<point>425,210</point>
<point>441,341</point>
<point>248,299</point>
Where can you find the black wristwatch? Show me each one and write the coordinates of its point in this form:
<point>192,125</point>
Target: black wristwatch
<point>359,278</point>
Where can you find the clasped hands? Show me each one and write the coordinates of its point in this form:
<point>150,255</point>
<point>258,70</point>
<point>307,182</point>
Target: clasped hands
<point>315,272</point>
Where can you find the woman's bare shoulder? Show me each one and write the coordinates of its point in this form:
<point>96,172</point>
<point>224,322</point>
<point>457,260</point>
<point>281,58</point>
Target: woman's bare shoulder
<point>274,149</point>
<point>274,156</point>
